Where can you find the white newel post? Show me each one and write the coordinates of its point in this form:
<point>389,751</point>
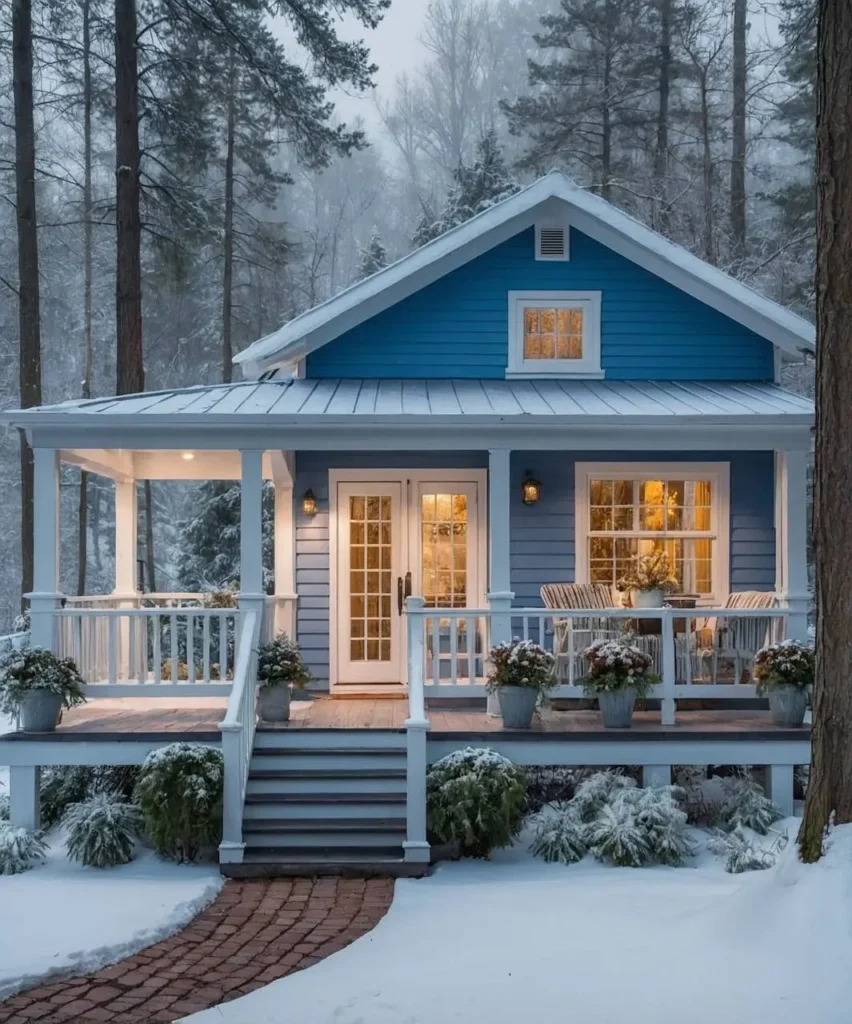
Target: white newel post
<point>285,560</point>
<point>416,846</point>
<point>45,597</point>
<point>500,595</point>
<point>791,529</point>
<point>252,594</point>
<point>126,550</point>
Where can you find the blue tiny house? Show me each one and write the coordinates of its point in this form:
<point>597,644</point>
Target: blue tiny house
<point>470,445</point>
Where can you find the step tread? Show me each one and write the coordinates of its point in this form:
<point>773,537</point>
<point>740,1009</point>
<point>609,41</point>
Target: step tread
<point>325,798</point>
<point>327,773</point>
<point>330,825</point>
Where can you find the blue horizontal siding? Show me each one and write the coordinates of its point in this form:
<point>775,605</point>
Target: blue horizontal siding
<point>458,326</point>
<point>542,539</point>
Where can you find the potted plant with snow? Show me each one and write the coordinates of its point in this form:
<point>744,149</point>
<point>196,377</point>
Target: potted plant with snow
<point>618,673</point>
<point>520,672</point>
<point>784,671</point>
<point>36,685</point>
<point>279,668</point>
<point>648,579</point>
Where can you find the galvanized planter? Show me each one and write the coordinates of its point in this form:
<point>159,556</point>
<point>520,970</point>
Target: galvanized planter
<point>40,711</point>
<point>788,705</point>
<point>517,704</point>
<point>617,708</point>
<point>273,703</point>
<point>648,598</point>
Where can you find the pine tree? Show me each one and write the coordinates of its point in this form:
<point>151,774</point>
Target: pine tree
<point>474,189</point>
<point>589,98</point>
<point>373,257</point>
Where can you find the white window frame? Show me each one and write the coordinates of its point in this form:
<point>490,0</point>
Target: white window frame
<point>589,366</point>
<point>719,475</point>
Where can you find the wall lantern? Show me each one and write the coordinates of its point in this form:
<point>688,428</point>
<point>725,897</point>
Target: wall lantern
<point>309,503</point>
<point>530,490</point>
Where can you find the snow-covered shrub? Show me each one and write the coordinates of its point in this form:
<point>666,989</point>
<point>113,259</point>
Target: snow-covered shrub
<point>702,799</point>
<point>4,806</point>
<point>475,797</point>
<point>596,791</point>
<point>549,784</point>
<point>634,827</point>
<point>25,669</point>
<point>740,852</point>
<point>118,779</point>
<point>180,793</point>
<point>60,787</point>
<point>617,665</point>
<point>102,831</point>
<point>788,663</point>
<point>521,663</point>
<point>19,849</point>
<point>280,664</point>
<point>558,835</point>
<point>746,806</point>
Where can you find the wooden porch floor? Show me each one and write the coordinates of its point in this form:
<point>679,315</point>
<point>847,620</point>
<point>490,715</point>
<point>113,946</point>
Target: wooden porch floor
<point>198,719</point>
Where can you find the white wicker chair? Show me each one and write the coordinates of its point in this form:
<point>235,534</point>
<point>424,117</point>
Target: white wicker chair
<point>571,635</point>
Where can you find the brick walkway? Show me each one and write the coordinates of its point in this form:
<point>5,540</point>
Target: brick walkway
<point>255,932</point>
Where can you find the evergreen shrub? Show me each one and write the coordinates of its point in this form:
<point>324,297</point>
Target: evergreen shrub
<point>102,830</point>
<point>19,849</point>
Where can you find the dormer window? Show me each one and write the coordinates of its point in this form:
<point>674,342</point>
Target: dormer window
<point>554,334</point>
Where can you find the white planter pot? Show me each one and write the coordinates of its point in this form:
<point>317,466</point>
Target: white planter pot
<point>648,598</point>
<point>273,703</point>
<point>40,711</point>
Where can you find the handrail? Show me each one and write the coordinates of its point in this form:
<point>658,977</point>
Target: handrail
<point>238,729</point>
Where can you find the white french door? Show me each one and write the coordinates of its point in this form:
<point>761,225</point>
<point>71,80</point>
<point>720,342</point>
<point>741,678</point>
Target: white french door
<point>395,534</point>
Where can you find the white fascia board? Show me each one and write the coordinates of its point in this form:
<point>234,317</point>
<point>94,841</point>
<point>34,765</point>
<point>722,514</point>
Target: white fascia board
<point>550,196</point>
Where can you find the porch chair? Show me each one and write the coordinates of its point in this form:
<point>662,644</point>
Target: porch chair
<point>737,640</point>
<point>571,635</point>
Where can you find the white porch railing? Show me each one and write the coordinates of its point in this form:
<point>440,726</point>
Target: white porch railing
<point>702,654</point>
<point>118,651</point>
<point>238,728</point>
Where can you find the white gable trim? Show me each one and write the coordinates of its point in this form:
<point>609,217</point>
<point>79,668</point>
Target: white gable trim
<point>550,198</point>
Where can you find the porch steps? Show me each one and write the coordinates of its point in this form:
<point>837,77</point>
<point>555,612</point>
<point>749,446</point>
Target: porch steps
<point>325,801</point>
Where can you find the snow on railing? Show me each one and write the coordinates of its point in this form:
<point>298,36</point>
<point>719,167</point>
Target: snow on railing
<point>704,653</point>
<point>238,728</point>
<point>144,651</point>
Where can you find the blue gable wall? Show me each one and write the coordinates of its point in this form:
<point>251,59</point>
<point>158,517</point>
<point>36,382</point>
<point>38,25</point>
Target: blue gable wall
<point>457,326</point>
<point>542,536</point>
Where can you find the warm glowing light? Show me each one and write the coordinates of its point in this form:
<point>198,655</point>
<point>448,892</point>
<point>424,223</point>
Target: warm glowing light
<point>309,503</point>
<point>188,456</point>
<point>530,490</point>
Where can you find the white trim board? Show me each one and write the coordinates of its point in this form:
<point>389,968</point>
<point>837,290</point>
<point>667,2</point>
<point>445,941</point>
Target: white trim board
<point>718,472</point>
<point>553,196</point>
<point>588,366</point>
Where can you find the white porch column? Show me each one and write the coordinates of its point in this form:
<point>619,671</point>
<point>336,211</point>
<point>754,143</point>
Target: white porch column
<point>45,596</point>
<point>791,531</point>
<point>24,805</point>
<point>284,545</point>
<point>499,513</point>
<point>251,531</point>
<point>126,511</point>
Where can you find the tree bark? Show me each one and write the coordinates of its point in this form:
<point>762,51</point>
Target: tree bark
<point>29,323</point>
<point>83,511</point>
<point>130,375</point>
<point>661,146</point>
<point>738,132</point>
<point>830,785</point>
<point>228,255</point>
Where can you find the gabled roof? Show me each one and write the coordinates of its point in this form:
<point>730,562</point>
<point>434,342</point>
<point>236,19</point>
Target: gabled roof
<point>554,195</point>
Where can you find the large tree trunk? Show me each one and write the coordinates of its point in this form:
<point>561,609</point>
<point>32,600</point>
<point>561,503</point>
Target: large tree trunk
<point>738,132</point>
<point>830,785</point>
<point>661,146</point>
<point>128,279</point>
<point>28,290</point>
<point>83,510</point>
<point>228,254</point>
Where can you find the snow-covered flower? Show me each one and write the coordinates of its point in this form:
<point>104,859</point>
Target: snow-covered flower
<point>521,663</point>
<point>787,663</point>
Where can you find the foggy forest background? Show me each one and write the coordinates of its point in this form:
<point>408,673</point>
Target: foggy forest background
<point>697,118</point>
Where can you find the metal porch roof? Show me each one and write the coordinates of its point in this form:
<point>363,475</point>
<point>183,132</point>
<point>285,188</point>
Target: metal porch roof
<point>482,401</point>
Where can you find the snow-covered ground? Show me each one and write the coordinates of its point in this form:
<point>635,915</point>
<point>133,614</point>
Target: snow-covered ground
<point>61,917</point>
<point>517,939</point>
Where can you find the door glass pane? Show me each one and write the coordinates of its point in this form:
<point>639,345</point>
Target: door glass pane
<point>370,533</point>
<point>444,531</point>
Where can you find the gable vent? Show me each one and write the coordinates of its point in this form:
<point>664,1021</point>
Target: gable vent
<point>551,242</point>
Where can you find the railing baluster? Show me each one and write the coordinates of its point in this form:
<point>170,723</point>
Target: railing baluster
<point>436,651</point>
<point>470,628</point>
<point>223,646</point>
<point>174,646</point>
<point>205,649</point>
<point>454,651</point>
<point>190,646</point>
<point>112,643</point>
<point>158,653</point>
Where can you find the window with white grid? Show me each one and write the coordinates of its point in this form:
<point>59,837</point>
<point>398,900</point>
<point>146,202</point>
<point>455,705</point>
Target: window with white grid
<point>554,334</point>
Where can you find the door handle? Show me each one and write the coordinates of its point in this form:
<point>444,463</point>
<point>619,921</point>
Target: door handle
<point>400,594</point>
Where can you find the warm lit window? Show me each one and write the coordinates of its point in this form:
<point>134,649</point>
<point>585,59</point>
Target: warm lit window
<point>628,511</point>
<point>554,334</point>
